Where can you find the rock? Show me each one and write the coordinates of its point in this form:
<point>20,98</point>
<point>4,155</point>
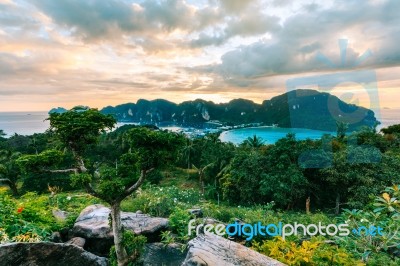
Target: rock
<point>77,241</point>
<point>93,224</point>
<point>211,221</point>
<point>156,254</point>
<point>210,249</point>
<point>198,213</point>
<point>47,254</point>
<point>139,212</point>
<point>56,237</point>
<point>60,215</point>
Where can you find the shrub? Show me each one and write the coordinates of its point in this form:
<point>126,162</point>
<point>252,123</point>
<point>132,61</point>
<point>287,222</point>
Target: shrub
<point>386,215</point>
<point>134,246</point>
<point>313,252</point>
<point>178,221</point>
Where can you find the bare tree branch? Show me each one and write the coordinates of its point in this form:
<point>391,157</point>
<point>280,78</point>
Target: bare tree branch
<point>63,170</point>
<point>5,180</point>
<point>138,183</point>
<point>89,188</point>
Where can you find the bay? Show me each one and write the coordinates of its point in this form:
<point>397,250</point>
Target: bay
<point>269,134</point>
<point>28,123</point>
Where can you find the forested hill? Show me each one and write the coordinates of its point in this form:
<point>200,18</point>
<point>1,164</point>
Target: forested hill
<point>299,108</point>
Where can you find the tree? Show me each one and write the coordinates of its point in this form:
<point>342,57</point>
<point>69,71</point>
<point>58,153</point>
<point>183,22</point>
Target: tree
<point>187,151</point>
<point>394,129</point>
<point>253,142</point>
<point>341,129</point>
<point>116,179</point>
<point>9,171</point>
<point>352,176</point>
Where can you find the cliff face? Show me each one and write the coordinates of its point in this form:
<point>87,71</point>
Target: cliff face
<point>315,110</point>
<point>299,109</point>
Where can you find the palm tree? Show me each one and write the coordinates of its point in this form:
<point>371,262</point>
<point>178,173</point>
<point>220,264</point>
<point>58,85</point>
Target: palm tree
<point>8,170</point>
<point>187,151</point>
<point>254,142</point>
<point>213,137</point>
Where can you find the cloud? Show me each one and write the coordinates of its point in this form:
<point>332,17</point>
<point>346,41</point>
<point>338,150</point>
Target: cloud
<point>294,47</point>
<point>100,20</point>
<point>119,50</point>
<point>111,21</point>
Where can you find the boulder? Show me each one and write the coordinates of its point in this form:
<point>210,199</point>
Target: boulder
<point>198,213</point>
<point>156,254</point>
<point>56,237</point>
<point>77,241</point>
<point>60,215</point>
<point>210,249</point>
<point>93,224</point>
<point>47,254</point>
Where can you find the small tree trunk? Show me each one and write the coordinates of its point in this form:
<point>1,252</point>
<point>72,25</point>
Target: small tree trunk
<point>337,207</point>
<point>13,188</point>
<point>122,256</point>
<point>308,205</point>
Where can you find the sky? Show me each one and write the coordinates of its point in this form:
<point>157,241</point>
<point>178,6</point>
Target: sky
<point>99,53</point>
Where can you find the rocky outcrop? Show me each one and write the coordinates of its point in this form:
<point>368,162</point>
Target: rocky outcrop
<point>47,254</point>
<point>93,224</point>
<point>156,254</point>
<point>210,249</point>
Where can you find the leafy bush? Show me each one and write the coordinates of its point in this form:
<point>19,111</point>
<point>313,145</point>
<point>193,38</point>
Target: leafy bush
<point>178,221</point>
<point>134,246</point>
<point>19,222</point>
<point>386,215</point>
<point>313,252</point>
<point>30,217</point>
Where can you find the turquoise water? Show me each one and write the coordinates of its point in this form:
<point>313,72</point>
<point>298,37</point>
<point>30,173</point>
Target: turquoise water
<point>269,134</point>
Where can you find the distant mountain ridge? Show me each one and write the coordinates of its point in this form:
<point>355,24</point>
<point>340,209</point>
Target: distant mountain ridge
<point>298,109</point>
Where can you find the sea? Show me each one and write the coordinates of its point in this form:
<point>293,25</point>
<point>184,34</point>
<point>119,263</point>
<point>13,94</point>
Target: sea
<point>28,123</point>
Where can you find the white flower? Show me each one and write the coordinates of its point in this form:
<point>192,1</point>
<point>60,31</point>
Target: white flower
<point>69,198</point>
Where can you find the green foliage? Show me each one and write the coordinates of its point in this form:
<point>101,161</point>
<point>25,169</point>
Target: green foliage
<point>313,252</point>
<point>178,221</point>
<point>30,217</point>
<point>380,259</point>
<point>269,175</point>
<point>253,142</point>
<point>394,129</point>
<point>9,171</point>
<point>134,246</point>
<point>385,212</point>
<point>79,179</point>
<point>167,238</point>
<point>42,161</point>
<point>156,148</point>
<point>161,201</point>
<point>80,127</point>
<point>37,170</point>
<point>26,220</point>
